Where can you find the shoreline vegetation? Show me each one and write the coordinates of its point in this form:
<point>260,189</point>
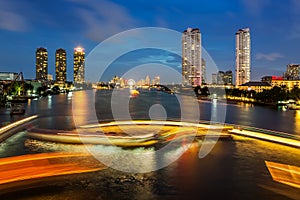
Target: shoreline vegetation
<point>277,96</point>
<point>270,97</point>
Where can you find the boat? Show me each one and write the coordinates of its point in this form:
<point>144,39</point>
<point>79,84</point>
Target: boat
<point>293,105</point>
<point>17,109</point>
<point>134,93</point>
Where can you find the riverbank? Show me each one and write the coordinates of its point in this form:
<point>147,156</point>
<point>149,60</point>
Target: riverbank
<point>239,100</point>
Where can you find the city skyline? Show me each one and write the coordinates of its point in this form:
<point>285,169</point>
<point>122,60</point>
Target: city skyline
<point>28,25</point>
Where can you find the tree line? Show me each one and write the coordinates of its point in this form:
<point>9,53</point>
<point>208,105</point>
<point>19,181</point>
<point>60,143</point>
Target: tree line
<point>271,96</point>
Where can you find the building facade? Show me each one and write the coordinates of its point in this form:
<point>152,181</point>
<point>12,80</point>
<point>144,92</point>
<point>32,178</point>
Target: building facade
<point>288,84</point>
<point>60,66</point>
<point>255,86</point>
<point>228,77</point>
<point>8,76</point>
<point>292,72</point>
<point>79,66</point>
<point>269,79</point>
<point>203,71</point>
<point>214,79</point>
<point>220,78</point>
<point>41,64</point>
<point>191,57</point>
<point>243,56</point>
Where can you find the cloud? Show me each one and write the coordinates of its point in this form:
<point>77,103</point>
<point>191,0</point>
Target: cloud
<point>103,18</point>
<point>269,57</point>
<point>10,19</point>
<point>163,59</point>
<point>255,7</point>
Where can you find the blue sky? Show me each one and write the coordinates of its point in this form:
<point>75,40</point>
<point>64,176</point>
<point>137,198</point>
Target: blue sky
<point>28,24</point>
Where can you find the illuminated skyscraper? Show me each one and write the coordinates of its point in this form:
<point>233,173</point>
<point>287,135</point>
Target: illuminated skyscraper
<point>79,57</point>
<point>41,64</point>
<point>191,57</point>
<point>61,65</point>
<point>243,56</point>
<point>292,72</point>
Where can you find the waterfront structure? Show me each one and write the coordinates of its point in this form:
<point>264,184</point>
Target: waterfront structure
<point>203,71</point>
<point>41,64</point>
<point>243,56</point>
<point>79,66</point>
<point>191,57</point>
<point>269,79</point>
<point>288,84</point>
<point>60,66</point>
<point>255,86</point>
<point>8,76</point>
<point>292,72</point>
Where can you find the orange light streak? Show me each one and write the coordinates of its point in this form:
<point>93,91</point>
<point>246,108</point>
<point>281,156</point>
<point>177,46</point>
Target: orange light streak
<point>34,166</point>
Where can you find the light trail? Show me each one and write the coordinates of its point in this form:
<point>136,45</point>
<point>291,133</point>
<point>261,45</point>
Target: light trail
<point>286,174</point>
<point>267,137</point>
<point>155,122</point>
<point>35,166</point>
<point>91,134</point>
<point>15,124</point>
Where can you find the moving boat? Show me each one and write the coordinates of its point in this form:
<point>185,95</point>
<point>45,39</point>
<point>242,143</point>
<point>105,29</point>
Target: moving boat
<point>134,93</point>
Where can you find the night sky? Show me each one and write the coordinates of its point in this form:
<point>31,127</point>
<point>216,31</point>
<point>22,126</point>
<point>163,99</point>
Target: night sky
<point>28,24</point>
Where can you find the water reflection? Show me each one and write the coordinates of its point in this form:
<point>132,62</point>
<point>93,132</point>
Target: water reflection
<point>82,109</point>
<point>297,121</point>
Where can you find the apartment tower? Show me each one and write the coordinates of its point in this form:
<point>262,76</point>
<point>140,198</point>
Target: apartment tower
<point>41,64</point>
<point>191,57</point>
<point>243,56</point>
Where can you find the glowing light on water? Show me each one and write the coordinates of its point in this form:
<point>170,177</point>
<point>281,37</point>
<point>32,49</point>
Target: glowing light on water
<point>267,137</point>
<point>286,174</point>
<point>36,166</point>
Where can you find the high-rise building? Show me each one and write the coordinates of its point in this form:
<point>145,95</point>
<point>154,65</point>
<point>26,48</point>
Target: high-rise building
<point>41,64</point>
<point>203,71</point>
<point>214,78</point>
<point>228,77</point>
<point>61,65</point>
<point>79,57</point>
<point>191,57</point>
<point>243,56</point>
<point>220,78</point>
<point>147,80</point>
<point>292,72</point>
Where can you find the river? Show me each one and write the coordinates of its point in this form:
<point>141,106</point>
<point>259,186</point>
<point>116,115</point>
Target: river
<point>234,169</point>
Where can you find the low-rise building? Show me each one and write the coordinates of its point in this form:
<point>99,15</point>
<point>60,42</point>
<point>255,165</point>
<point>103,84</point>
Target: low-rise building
<point>8,76</point>
<point>289,84</point>
<point>255,86</point>
<point>269,79</point>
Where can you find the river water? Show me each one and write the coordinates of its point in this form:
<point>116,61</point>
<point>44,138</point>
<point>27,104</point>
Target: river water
<point>234,169</point>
